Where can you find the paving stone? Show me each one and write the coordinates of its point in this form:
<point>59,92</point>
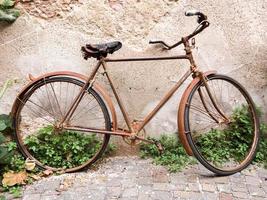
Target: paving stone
<point>161,195</point>
<point>180,187</point>
<point>129,183</point>
<point>114,182</point>
<point>259,198</point>
<point>31,197</point>
<point>192,178</point>
<point>224,188</point>
<point>145,189</point>
<point>210,196</point>
<point>253,180</point>
<point>188,195</point>
<point>225,196</point>
<point>222,179</point>
<point>160,176</point>
<point>50,197</point>
<point>163,186</point>
<point>130,192</point>
<point>208,187</point>
<point>178,179</point>
<point>193,187</point>
<point>143,197</point>
<point>144,180</point>
<point>122,178</point>
<point>209,180</point>
<point>114,191</point>
<point>237,179</point>
<point>256,191</point>
<point>241,187</point>
<point>241,195</point>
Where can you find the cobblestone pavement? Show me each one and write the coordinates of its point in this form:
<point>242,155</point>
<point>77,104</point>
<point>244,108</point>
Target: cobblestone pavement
<point>132,178</point>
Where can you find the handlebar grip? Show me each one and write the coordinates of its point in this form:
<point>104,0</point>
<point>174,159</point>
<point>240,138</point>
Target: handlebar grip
<point>153,42</point>
<point>201,16</point>
<point>192,13</point>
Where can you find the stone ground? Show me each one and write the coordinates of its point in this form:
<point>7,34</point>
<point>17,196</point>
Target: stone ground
<point>133,178</point>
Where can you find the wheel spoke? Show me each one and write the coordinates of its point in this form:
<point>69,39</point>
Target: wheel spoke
<point>38,117</point>
<point>222,147</point>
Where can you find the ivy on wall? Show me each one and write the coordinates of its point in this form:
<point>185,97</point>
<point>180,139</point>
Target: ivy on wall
<point>7,11</point>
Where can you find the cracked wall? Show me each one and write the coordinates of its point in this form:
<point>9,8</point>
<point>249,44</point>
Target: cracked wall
<point>234,44</point>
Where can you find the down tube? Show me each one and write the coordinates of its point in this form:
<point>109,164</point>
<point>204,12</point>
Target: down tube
<point>164,100</point>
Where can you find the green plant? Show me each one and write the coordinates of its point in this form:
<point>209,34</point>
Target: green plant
<point>2,197</point>
<point>234,141</point>
<point>10,159</point>
<point>7,12</point>
<point>6,151</point>
<point>261,156</point>
<point>62,150</point>
<point>173,157</point>
<point>16,191</point>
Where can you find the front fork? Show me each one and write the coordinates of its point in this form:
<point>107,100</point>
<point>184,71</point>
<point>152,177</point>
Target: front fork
<point>212,99</point>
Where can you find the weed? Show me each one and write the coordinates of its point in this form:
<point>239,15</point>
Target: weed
<point>63,150</point>
<point>173,157</point>
<point>233,143</point>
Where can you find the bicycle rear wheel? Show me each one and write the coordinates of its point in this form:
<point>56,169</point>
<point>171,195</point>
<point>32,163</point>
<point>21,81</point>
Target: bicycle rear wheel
<point>224,140</point>
<point>38,114</point>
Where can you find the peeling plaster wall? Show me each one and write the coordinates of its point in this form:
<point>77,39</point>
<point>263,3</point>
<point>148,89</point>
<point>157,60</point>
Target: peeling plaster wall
<point>234,44</point>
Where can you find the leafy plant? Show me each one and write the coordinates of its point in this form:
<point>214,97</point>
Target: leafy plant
<point>5,149</point>
<point>10,159</point>
<point>7,12</point>
<point>16,191</point>
<point>234,141</point>
<point>173,157</point>
<point>62,150</point>
<point>261,156</point>
<point>233,144</point>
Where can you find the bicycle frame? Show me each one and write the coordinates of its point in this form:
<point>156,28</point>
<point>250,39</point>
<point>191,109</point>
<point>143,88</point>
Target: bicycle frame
<point>133,128</point>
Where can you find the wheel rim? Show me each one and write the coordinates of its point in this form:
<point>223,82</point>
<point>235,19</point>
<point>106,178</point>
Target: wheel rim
<point>222,146</point>
<point>41,109</point>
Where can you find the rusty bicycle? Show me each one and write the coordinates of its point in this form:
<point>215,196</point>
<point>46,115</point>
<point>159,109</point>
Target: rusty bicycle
<point>67,102</point>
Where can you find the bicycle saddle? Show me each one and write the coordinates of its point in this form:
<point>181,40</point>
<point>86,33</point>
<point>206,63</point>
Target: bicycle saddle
<point>100,50</point>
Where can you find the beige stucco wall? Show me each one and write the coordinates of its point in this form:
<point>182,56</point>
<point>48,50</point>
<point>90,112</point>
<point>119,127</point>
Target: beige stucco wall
<point>234,44</point>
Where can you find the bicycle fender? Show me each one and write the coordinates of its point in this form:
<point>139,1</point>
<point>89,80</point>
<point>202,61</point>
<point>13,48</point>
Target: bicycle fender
<point>180,118</point>
<point>98,88</point>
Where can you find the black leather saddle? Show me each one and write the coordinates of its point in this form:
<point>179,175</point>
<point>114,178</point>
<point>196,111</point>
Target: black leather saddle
<point>100,50</point>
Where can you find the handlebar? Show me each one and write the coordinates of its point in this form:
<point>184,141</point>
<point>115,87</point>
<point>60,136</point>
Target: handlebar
<point>203,23</point>
<point>201,16</point>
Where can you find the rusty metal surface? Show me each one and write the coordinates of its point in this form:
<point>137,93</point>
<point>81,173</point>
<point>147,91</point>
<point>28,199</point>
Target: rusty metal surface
<point>182,105</point>
<point>89,81</point>
<point>122,108</point>
<point>146,59</point>
<point>164,100</point>
<point>96,87</point>
<point>91,130</point>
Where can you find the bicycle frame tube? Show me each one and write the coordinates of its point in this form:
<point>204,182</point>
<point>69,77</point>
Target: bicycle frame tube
<point>103,62</point>
<point>79,97</point>
<point>164,100</point>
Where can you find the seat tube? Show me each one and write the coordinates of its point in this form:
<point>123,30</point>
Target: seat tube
<point>122,108</point>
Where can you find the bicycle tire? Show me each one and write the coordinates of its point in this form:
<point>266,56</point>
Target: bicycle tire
<point>229,138</point>
<point>100,142</point>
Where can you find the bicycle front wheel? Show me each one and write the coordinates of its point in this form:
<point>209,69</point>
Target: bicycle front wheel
<point>223,139</point>
<point>37,118</point>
